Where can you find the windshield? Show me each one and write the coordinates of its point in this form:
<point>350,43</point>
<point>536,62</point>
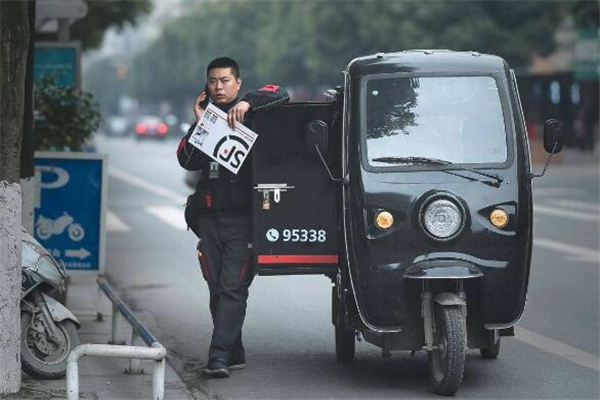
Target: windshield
<point>455,119</point>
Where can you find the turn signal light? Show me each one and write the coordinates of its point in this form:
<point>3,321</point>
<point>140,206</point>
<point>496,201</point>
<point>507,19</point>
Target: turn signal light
<point>499,218</point>
<point>384,220</point>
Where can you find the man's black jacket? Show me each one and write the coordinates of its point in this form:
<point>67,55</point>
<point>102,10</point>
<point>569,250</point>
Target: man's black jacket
<point>229,194</point>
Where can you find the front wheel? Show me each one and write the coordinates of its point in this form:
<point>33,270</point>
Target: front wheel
<point>76,232</point>
<point>447,361</point>
<point>42,357</point>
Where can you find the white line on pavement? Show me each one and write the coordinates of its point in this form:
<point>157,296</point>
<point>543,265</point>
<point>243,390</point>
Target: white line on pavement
<point>581,205</point>
<point>144,184</point>
<point>579,253</point>
<point>115,224</point>
<point>565,213</point>
<point>546,191</point>
<point>171,215</point>
<point>560,349</point>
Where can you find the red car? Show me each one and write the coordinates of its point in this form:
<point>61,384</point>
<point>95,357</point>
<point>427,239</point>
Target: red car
<point>149,126</point>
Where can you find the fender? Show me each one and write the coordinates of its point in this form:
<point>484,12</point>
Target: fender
<point>59,312</point>
<point>449,299</point>
<point>442,269</point>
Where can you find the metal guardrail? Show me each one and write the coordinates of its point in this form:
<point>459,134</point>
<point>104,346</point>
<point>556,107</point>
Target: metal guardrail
<point>134,352</point>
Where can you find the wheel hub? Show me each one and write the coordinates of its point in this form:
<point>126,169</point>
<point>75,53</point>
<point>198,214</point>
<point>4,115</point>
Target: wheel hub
<point>38,339</point>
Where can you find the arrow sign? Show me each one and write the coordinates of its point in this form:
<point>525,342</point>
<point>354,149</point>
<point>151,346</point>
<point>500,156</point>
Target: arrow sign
<point>81,253</point>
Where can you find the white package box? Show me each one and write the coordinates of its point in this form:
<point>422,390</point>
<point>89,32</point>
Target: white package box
<point>213,136</point>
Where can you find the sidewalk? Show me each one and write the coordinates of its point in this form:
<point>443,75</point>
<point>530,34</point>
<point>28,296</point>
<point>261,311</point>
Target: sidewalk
<point>100,378</point>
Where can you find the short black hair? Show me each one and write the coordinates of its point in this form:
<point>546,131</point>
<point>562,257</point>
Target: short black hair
<point>224,62</point>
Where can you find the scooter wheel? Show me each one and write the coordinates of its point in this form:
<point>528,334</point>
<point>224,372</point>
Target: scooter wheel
<point>41,358</point>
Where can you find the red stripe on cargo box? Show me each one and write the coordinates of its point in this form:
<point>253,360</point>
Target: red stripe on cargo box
<point>298,259</point>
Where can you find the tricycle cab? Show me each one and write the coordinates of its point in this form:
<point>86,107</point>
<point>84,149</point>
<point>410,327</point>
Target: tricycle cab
<point>422,185</point>
<point>437,139</point>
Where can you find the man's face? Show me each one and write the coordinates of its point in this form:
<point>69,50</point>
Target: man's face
<point>222,85</point>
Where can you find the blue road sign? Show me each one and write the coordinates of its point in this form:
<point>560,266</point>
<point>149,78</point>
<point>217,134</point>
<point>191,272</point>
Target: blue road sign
<point>70,207</point>
<point>60,59</point>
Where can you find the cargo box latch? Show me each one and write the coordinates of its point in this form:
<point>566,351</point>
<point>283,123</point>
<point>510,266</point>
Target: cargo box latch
<point>276,188</point>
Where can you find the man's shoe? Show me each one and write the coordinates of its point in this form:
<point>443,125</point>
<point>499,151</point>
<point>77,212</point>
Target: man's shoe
<point>237,362</point>
<point>217,368</point>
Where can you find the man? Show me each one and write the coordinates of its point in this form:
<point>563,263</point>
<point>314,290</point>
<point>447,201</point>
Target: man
<point>222,206</point>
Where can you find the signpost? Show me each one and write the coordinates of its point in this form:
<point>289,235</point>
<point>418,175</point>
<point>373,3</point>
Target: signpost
<point>62,59</point>
<point>70,208</point>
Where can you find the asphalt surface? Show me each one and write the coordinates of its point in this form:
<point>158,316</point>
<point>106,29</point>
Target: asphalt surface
<point>288,332</point>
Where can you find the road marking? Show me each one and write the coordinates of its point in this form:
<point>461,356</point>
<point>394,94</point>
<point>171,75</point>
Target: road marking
<point>557,212</point>
<point>577,252</point>
<point>146,185</point>
<point>560,349</point>
<point>169,214</point>
<point>581,205</point>
<point>545,191</point>
<point>115,224</point>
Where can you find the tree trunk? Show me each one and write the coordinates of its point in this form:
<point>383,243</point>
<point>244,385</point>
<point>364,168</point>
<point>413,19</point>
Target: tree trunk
<point>14,43</point>
<point>27,144</point>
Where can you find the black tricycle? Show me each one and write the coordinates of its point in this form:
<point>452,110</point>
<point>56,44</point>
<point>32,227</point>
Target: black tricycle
<point>411,188</point>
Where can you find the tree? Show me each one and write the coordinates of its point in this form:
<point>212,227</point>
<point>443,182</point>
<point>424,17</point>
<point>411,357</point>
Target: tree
<point>65,117</point>
<point>309,43</point>
<point>106,14</point>
<point>14,39</point>
<point>586,14</point>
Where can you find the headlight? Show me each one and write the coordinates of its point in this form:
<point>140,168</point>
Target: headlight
<point>442,219</point>
<point>37,258</point>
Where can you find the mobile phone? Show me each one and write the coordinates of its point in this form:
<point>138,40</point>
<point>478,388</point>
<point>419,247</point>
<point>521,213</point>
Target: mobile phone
<point>205,102</point>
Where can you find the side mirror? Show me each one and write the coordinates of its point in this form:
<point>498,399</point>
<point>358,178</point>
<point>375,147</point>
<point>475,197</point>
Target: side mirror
<point>554,131</point>
<point>316,135</point>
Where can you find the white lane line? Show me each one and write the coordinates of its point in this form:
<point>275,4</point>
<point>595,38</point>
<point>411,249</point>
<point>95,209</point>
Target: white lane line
<point>557,212</point>
<point>545,191</point>
<point>577,252</point>
<point>560,349</point>
<point>578,205</point>
<point>146,185</point>
<point>115,224</point>
<point>171,215</point>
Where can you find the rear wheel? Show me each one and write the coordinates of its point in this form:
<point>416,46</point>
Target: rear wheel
<point>447,361</point>
<point>494,349</point>
<point>345,341</point>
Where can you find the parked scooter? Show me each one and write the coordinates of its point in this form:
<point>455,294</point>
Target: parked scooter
<point>49,331</point>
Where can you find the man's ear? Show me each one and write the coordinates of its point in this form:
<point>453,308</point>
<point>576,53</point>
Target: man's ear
<point>239,81</point>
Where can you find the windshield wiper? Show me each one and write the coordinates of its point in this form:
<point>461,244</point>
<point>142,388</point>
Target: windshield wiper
<point>435,161</point>
<point>408,160</point>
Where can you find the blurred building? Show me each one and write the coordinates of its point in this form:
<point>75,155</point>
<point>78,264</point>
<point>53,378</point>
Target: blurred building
<point>565,85</point>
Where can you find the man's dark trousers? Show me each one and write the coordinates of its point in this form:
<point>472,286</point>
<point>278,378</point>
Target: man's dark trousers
<point>226,266</point>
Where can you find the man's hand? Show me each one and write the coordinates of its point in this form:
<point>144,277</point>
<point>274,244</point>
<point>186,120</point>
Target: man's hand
<point>197,109</point>
<point>237,113</point>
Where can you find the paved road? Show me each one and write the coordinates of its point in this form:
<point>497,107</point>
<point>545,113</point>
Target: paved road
<point>288,334</point>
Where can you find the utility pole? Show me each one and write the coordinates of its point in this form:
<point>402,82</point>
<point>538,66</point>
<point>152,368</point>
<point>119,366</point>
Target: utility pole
<point>14,44</point>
